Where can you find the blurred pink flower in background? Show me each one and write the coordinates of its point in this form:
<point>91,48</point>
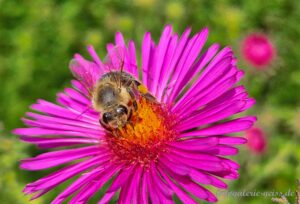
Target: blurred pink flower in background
<point>258,50</point>
<point>257,141</point>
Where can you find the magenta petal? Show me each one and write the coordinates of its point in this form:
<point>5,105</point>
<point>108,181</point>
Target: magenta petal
<point>132,196</point>
<point>55,158</point>
<point>146,54</point>
<point>223,150</point>
<point>174,70</point>
<point>218,68</point>
<point>119,39</point>
<point>234,165</point>
<point>167,163</point>
<point>75,106</point>
<point>49,182</point>
<point>205,178</point>
<point>161,186</point>
<point>50,126</point>
<point>123,193</point>
<point>79,87</point>
<point>132,59</point>
<point>238,92</point>
<point>106,197</point>
<point>119,181</point>
<point>232,140</point>
<point>95,57</point>
<point>163,192</point>
<point>94,185</point>
<point>223,128</point>
<point>164,199</point>
<point>90,125</point>
<point>211,93</point>
<point>52,142</point>
<point>212,116</point>
<point>34,131</point>
<point>183,196</point>
<point>85,180</point>
<point>204,163</point>
<point>159,55</point>
<point>188,60</point>
<point>192,187</point>
<point>75,95</point>
<point>151,191</point>
<point>201,63</point>
<point>143,195</point>
<point>61,112</point>
<point>196,144</point>
<point>200,155</point>
<point>166,71</point>
<point>196,189</point>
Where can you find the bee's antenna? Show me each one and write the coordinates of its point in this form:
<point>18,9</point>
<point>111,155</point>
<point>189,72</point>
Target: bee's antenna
<point>117,80</point>
<point>121,72</point>
<point>121,56</point>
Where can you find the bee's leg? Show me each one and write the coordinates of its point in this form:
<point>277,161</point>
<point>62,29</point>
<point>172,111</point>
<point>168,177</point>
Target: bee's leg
<point>132,96</point>
<point>149,97</point>
<point>131,124</point>
<point>105,126</point>
<point>135,105</point>
<point>144,91</point>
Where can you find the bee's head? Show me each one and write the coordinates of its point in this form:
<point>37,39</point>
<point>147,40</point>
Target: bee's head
<point>116,118</point>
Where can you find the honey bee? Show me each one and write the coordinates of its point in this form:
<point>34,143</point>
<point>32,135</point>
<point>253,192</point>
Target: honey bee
<point>114,95</point>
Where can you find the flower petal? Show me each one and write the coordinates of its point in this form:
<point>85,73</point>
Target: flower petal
<point>183,196</point>
<point>89,189</point>
<point>231,126</point>
<point>158,59</point>
<point>91,176</point>
<point>49,182</point>
<point>123,176</point>
<point>187,61</point>
<point>52,142</point>
<point>50,159</point>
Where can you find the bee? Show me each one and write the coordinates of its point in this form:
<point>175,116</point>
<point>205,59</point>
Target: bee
<point>115,94</point>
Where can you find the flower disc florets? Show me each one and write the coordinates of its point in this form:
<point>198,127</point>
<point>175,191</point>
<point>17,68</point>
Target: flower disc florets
<point>152,126</point>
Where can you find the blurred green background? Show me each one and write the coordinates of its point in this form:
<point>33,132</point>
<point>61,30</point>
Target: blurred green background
<point>39,37</point>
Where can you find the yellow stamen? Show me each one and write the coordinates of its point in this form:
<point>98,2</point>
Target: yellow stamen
<point>145,136</point>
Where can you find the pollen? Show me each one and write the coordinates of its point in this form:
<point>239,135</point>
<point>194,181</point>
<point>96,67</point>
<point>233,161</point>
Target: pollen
<point>145,136</point>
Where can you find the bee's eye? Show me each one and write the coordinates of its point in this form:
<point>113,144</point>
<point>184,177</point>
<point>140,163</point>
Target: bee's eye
<point>107,117</point>
<point>122,110</point>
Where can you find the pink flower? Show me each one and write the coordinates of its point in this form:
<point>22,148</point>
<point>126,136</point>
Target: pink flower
<point>177,146</point>
<point>256,140</point>
<point>258,50</point>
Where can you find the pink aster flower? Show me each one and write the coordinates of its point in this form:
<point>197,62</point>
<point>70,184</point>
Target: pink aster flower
<point>257,141</point>
<point>176,147</point>
<point>258,50</point>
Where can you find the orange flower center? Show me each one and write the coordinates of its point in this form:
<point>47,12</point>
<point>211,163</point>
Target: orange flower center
<point>146,136</point>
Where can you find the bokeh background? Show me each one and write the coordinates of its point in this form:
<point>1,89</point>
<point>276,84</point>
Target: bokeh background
<point>39,37</point>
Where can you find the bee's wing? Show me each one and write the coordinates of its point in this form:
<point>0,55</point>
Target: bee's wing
<point>115,59</point>
<point>119,59</point>
<point>86,73</point>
